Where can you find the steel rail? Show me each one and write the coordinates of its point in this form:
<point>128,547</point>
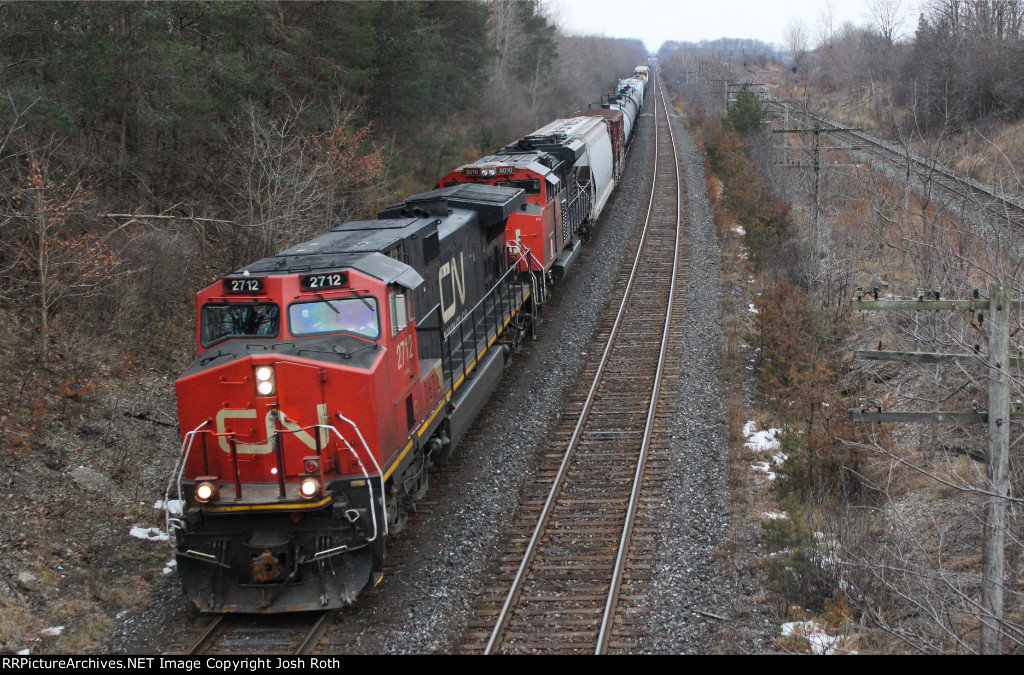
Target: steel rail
<point>317,632</point>
<point>559,480</point>
<point>213,631</point>
<point>222,627</point>
<point>634,501</point>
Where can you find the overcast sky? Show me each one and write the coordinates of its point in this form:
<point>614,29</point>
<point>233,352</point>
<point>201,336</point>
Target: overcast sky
<point>657,21</point>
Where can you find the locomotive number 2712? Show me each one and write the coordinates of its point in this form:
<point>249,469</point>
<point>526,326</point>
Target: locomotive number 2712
<point>317,281</point>
<point>404,351</point>
<point>244,286</point>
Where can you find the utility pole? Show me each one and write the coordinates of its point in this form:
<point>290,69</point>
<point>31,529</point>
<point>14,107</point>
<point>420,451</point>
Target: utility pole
<point>998,418</point>
<point>997,473</point>
<point>816,148</point>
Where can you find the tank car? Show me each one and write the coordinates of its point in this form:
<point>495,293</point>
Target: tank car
<point>629,99</point>
<point>329,379</point>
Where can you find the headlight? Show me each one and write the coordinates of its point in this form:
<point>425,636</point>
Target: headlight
<point>309,488</point>
<point>265,380</point>
<point>206,491</point>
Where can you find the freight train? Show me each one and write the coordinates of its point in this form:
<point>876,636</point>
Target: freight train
<point>333,377</point>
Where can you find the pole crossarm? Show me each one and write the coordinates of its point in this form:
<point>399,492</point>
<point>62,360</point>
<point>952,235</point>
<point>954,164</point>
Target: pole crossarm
<point>931,357</point>
<point>819,130</point>
<point>972,417</point>
<point>924,305</point>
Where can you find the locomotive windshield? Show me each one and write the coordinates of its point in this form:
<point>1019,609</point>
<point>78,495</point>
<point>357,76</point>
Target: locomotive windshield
<point>336,315</point>
<point>239,320</point>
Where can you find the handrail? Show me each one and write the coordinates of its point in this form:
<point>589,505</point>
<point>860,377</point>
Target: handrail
<point>175,480</point>
<point>498,295</point>
<point>514,268</point>
<point>176,476</point>
<point>376,465</point>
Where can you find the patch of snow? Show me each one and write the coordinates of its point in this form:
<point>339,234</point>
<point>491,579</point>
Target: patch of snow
<point>170,567</point>
<point>818,640</point>
<point>175,506</point>
<point>769,515</point>
<point>753,309</point>
<point>761,441</point>
<point>149,533</point>
<point>766,468</point>
<point>825,551</point>
<point>55,631</point>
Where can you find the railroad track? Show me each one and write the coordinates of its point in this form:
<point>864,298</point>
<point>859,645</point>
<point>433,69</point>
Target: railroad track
<point>575,571</point>
<point>260,635</point>
<point>984,196</point>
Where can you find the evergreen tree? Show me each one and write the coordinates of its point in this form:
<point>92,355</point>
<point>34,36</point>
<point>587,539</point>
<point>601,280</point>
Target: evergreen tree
<point>745,114</point>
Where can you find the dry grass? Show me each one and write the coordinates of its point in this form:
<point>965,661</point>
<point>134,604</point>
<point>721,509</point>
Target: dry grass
<point>15,621</point>
<point>91,626</point>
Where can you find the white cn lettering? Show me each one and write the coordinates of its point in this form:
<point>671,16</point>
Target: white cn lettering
<point>268,446</point>
<point>458,284</point>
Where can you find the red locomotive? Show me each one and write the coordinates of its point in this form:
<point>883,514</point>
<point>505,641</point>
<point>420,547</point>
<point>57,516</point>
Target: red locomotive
<point>332,377</point>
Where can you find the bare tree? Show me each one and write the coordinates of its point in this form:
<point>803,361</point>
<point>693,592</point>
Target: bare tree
<point>54,256</point>
<point>827,27</point>
<point>889,18</point>
<point>293,184</point>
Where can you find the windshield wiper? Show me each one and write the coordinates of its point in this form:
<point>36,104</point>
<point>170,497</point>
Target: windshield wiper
<point>216,356</point>
<point>320,295</point>
<point>359,297</point>
<point>348,355</point>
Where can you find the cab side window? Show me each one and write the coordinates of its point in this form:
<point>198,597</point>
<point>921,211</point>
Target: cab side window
<point>400,304</point>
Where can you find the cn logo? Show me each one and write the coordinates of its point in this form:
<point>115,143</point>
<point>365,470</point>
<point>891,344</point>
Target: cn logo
<point>457,272</point>
<point>272,416</point>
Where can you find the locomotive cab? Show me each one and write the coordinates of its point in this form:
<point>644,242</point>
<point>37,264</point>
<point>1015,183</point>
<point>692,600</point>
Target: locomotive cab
<point>323,391</point>
<point>297,393</point>
<point>555,170</point>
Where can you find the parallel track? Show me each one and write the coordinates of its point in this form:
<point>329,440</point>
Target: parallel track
<point>984,196</point>
<point>576,585</point>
